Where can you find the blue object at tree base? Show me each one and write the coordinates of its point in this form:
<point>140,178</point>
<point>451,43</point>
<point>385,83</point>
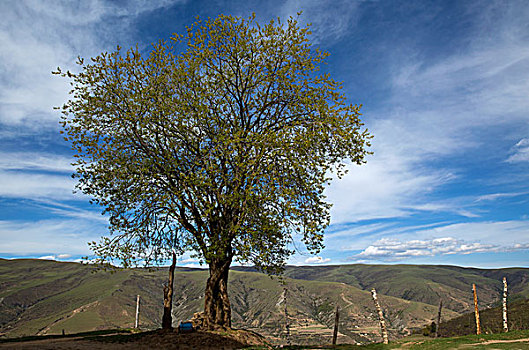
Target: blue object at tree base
<point>185,327</point>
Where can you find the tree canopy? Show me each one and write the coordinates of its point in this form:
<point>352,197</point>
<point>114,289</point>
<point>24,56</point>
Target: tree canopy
<point>219,142</point>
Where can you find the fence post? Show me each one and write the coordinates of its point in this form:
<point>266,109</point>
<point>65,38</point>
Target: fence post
<point>287,326</point>
<point>505,325</point>
<point>137,323</point>
<point>476,311</point>
<point>336,320</point>
<point>167,318</point>
<point>439,318</point>
<point>380,317</point>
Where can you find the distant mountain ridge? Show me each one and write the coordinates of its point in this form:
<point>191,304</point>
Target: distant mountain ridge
<point>425,283</point>
<point>45,297</point>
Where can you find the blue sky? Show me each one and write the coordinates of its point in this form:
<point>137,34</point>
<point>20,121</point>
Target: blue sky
<point>444,87</point>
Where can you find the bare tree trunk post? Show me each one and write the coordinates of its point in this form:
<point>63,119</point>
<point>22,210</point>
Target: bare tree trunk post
<point>505,325</point>
<point>476,311</point>
<point>438,318</point>
<point>287,325</point>
<point>167,319</point>
<point>137,323</point>
<point>336,320</point>
<point>380,317</point>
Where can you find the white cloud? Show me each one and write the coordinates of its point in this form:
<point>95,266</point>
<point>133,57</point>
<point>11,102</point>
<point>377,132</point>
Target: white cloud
<point>15,184</point>
<point>316,260</point>
<point>500,233</point>
<point>392,249</point>
<point>494,196</point>
<point>47,257</point>
<point>520,152</point>
<point>36,175</point>
<point>37,36</point>
<point>48,236</point>
<point>385,187</point>
<point>35,161</point>
<point>194,266</point>
<point>65,210</point>
<point>56,257</point>
<point>479,237</point>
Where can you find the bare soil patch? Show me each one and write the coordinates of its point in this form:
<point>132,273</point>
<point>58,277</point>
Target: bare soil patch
<point>159,339</point>
<point>498,341</point>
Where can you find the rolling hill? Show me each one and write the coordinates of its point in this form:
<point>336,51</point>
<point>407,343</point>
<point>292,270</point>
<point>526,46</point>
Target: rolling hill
<point>45,297</point>
<point>491,320</point>
<point>424,283</point>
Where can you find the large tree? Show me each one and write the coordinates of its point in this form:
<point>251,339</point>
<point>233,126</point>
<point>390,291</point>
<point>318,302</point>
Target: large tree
<point>219,142</point>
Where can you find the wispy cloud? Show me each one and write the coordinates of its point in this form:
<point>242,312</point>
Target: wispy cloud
<point>35,161</point>
<point>63,210</point>
<point>328,22</point>
<point>385,187</point>
<point>34,175</point>
<point>48,237</point>
<point>363,235</point>
<point>495,196</point>
<point>439,108</point>
<point>15,184</point>
<point>36,37</point>
<point>520,152</point>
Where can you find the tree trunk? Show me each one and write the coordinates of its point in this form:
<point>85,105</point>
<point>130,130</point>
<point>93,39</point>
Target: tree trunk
<point>287,323</point>
<point>380,317</point>
<point>137,323</point>
<point>439,318</point>
<point>167,319</point>
<point>336,321</point>
<point>505,326</point>
<point>217,309</point>
<point>476,311</point>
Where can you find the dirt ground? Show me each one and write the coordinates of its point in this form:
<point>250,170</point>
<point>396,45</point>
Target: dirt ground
<point>225,340</point>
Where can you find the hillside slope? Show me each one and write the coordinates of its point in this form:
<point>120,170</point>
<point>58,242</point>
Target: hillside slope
<point>491,320</point>
<point>424,283</point>
<point>45,297</point>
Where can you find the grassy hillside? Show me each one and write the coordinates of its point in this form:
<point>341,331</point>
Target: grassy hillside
<point>513,340</point>
<point>516,340</point>
<point>490,320</point>
<point>45,297</point>
<point>424,283</point>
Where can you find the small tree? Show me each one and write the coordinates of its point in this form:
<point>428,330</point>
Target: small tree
<point>222,148</point>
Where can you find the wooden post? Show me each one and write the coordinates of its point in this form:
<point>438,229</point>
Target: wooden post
<point>336,320</point>
<point>439,318</point>
<point>137,323</point>
<point>167,319</point>
<point>287,326</point>
<point>476,312</point>
<point>505,325</point>
<point>380,317</point>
